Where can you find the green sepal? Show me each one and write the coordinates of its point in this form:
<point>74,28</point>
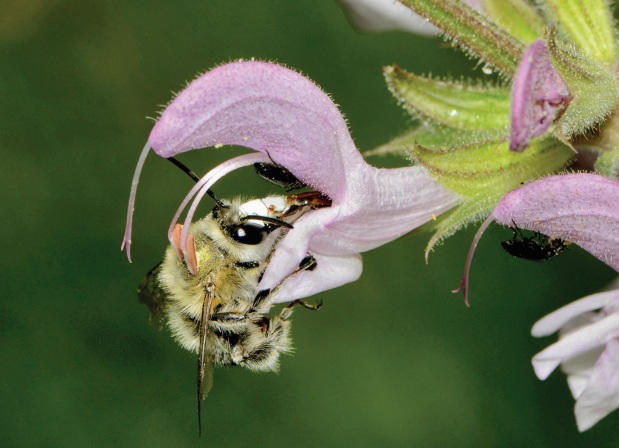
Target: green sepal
<point>604,142</point>
<point>468,212</point>
<point>490,168</point>
<point>455,104</point>
<point>484,173</point>
<point>607,164</point>
<point>435,136</point>
<point>472,31</point>
<point>592,85</point>
<point>586,23</point>
<point>518,17</point>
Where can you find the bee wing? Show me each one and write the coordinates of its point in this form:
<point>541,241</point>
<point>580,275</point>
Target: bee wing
<point>205,367</point>
<point>153,296</point>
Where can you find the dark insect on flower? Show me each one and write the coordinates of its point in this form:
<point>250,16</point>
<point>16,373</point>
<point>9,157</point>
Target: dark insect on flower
<point>538,247</point>
<point>278,175</point>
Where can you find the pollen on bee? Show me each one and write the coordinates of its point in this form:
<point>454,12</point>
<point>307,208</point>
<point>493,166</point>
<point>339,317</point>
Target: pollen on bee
<point>433,217</point>
<point>218,145</point>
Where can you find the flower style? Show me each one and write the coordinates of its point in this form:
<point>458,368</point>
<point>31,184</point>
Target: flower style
<point>288,120</point>
<point>588,352</point>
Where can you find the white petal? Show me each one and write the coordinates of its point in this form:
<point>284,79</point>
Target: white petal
<point>295,245</point>
<point>602,393</point>
<point>574,344</point>
<point>330,272</point>
<point>386,15</point>
<point>555,320</point>
<point>578,383</point>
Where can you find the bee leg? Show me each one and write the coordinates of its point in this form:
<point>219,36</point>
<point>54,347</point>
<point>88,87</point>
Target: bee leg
<point>287,311</point>
<point>261,297</point>
<point>307,264</point>
<point>314,307</point>
<point>228,317</point>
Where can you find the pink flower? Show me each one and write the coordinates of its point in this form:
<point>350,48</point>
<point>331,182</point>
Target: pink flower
<point>588,352</point>
<point>288,120</point>
<point>539,96</point>
<point>582,208</point>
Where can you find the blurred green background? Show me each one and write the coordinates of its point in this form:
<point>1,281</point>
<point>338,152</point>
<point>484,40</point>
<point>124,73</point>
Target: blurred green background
<point>392,360</point>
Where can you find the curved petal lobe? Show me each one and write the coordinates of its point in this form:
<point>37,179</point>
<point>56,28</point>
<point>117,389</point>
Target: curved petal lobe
<point>557,319</point>
<point>268,108</point>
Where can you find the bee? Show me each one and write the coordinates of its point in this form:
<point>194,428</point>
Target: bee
<point>219,313</point>
<point>538,247</point>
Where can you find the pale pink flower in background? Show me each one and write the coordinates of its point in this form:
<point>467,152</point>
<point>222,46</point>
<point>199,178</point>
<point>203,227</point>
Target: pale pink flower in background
<point>581,208</point>
<point>391,15</point>
<point>386,15</point>
<point>587,351</point>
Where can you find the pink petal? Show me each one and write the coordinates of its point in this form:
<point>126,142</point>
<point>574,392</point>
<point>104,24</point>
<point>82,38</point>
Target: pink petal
<point>554,321</point>
<point>581,208</point>
<point>601,396</point>
<point>381,205</point>
<point>265,107</point>
<point>574,344</point>
<point>539,96</point>
<point>268,108</point>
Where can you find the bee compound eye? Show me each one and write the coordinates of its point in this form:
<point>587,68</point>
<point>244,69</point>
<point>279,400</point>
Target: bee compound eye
<point>249,234</point>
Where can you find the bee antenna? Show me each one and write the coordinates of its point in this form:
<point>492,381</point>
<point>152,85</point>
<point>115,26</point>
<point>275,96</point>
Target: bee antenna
<point>274,221</point>
<point>184,168</point>
<point>216,199</point>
